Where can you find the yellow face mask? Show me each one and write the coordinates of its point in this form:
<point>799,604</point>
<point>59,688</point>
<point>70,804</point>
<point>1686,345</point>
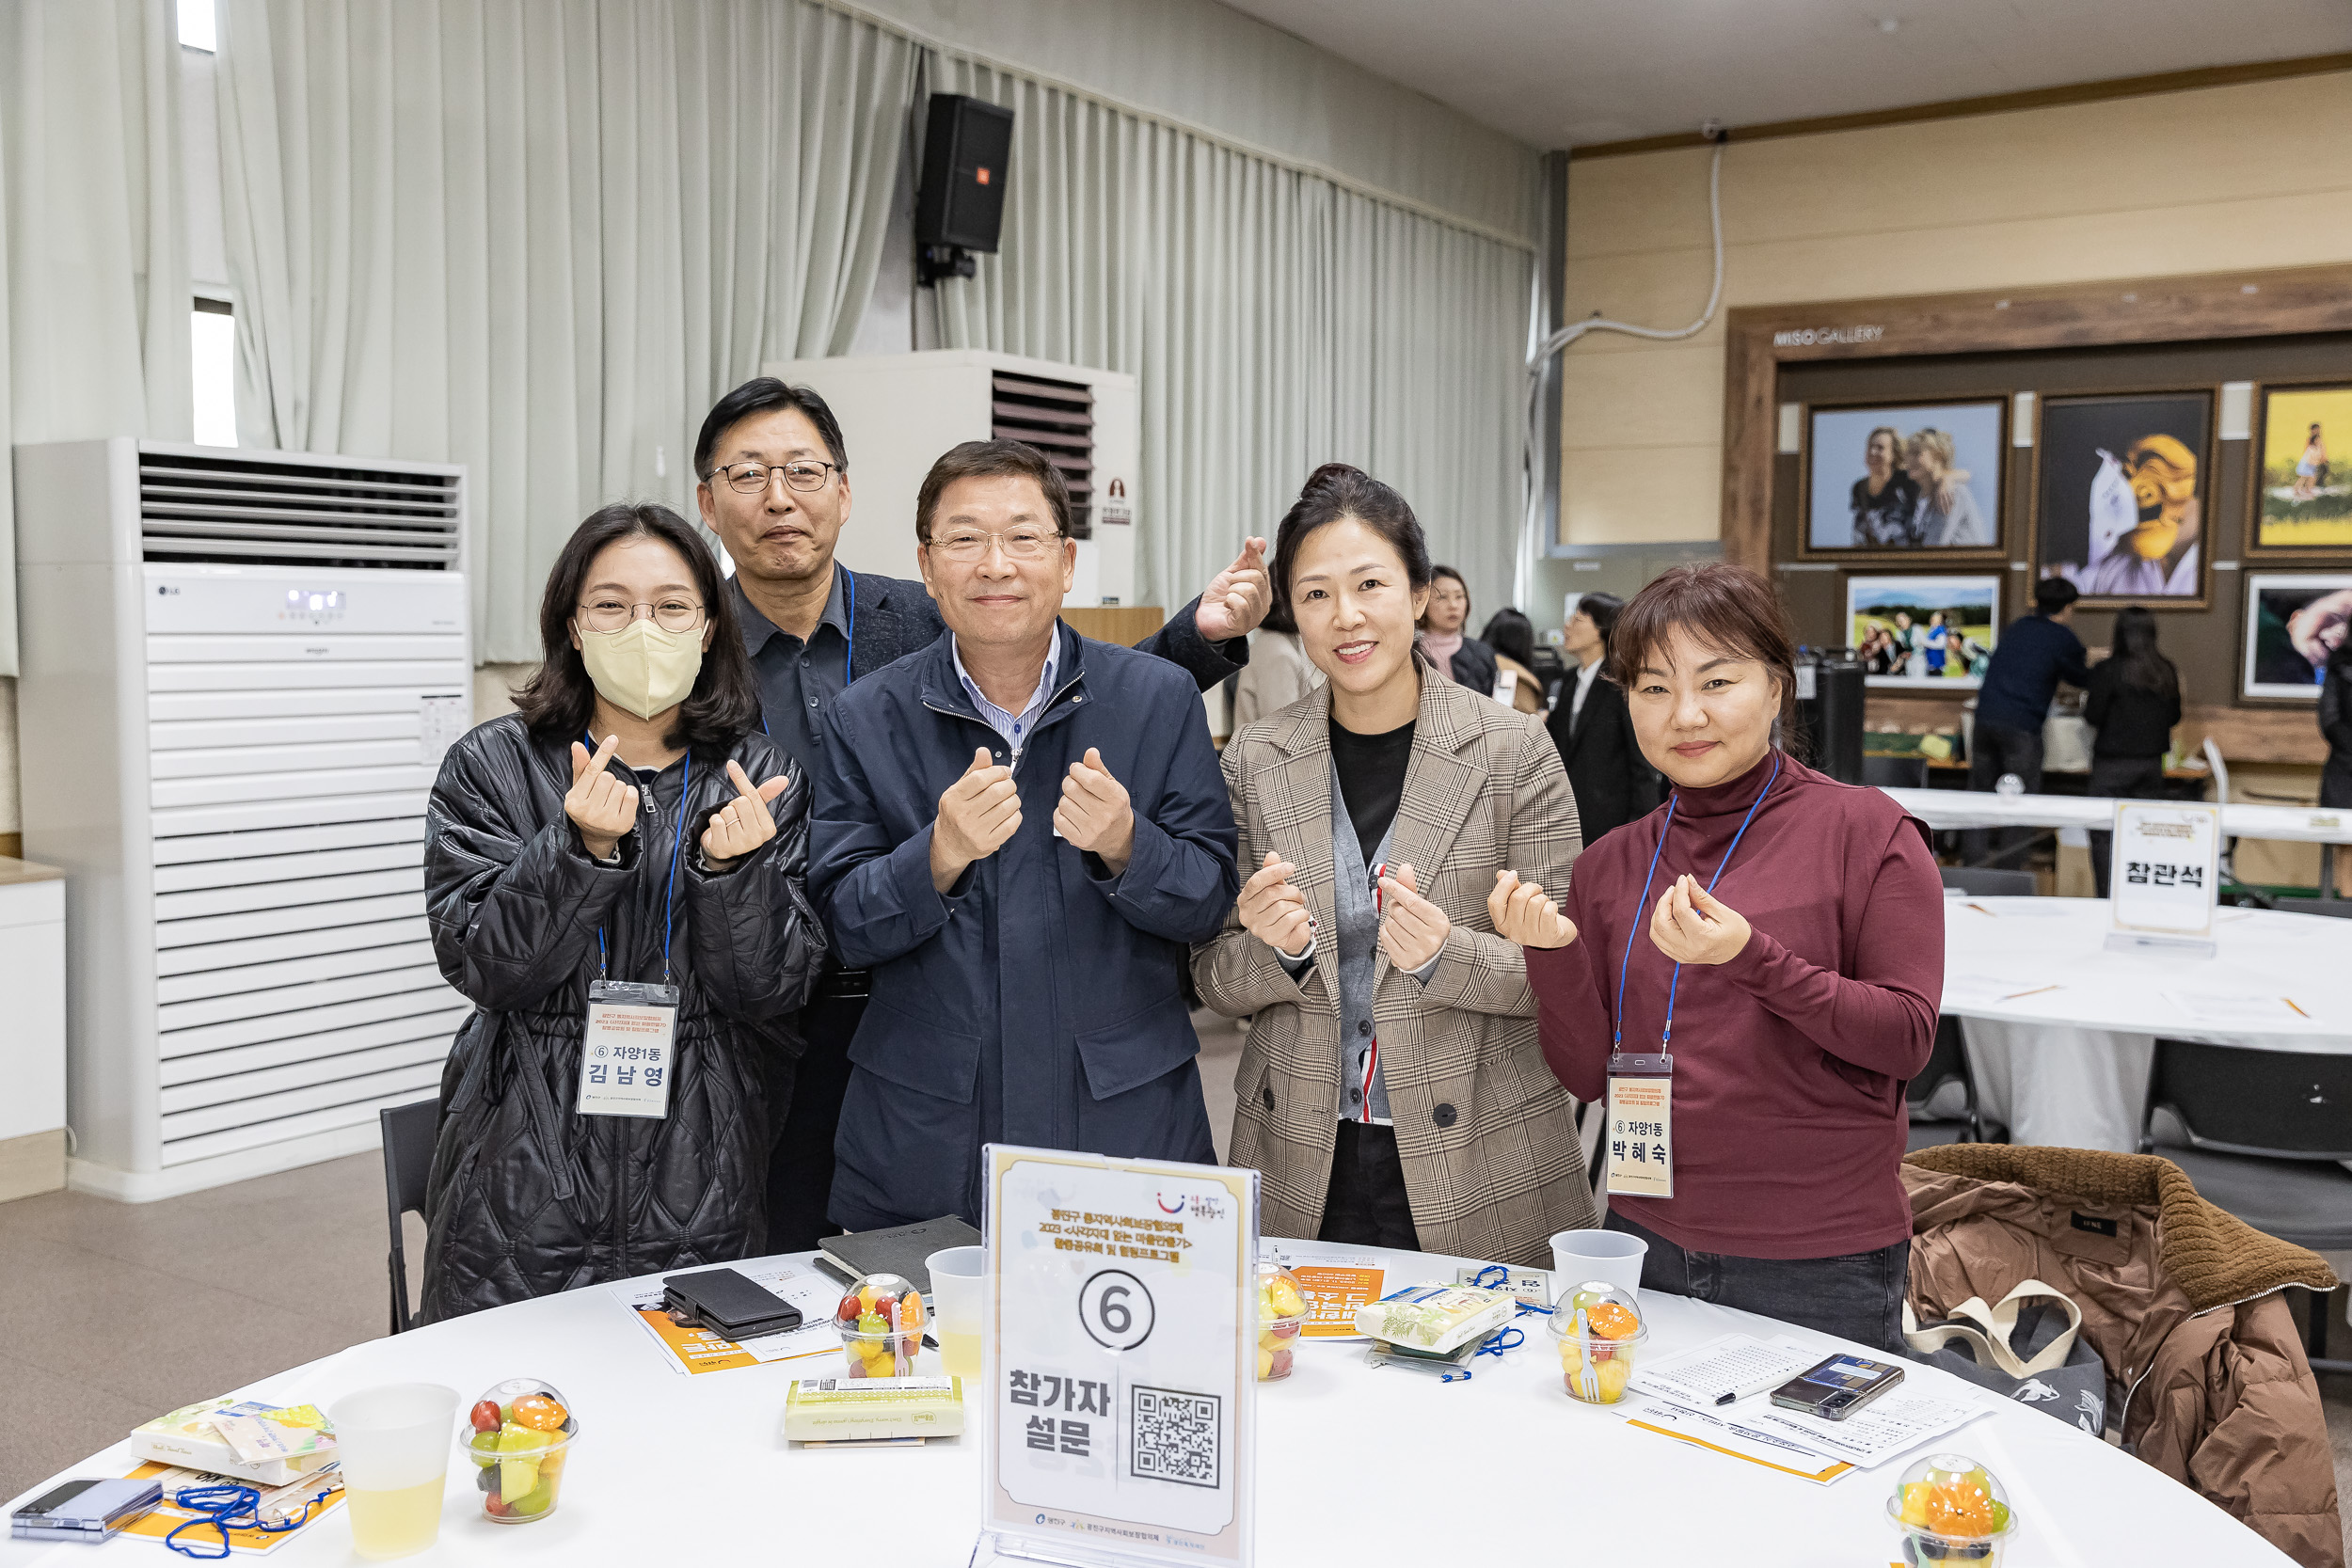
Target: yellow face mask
<point>2163,475</point>
<point>642,669</point>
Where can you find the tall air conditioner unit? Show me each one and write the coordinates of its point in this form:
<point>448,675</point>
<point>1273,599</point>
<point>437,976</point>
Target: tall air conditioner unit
<point>240,672</point>
<point>899,411</point>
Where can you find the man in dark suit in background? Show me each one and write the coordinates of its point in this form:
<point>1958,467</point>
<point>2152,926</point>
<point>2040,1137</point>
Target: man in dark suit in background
<point>1593,729</point>
<point>774,487</point>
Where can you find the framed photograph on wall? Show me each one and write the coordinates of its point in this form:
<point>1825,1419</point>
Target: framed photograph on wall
<point>2303,477</point>
<point>2294,621</point>
<point>1928,634</point>
<point>2121,488</point>
<point>1902,481</point>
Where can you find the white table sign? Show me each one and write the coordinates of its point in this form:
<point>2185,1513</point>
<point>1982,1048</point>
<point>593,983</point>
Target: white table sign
<point>2166,868</point>
<point>1121,1368</point>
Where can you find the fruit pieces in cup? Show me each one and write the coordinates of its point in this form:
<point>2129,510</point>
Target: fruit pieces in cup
<point>1600,1328</point>
<point>1952,1511</point>
<point>519,1436</point>
<point>880,1319</point>
<point>1282,1312</point>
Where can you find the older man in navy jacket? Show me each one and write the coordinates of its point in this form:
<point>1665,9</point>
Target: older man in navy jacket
<point>1022,832</point>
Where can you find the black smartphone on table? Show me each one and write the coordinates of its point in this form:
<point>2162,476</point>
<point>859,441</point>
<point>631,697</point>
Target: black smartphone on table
<point>1837,1388</point>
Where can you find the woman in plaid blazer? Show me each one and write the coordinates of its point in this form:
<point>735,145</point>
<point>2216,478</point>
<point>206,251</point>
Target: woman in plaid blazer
<point>1392,1090</point>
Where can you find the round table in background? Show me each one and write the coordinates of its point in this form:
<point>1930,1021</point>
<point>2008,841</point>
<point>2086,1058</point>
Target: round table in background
<point>1354,1466</point>
<point>2061,1032</point>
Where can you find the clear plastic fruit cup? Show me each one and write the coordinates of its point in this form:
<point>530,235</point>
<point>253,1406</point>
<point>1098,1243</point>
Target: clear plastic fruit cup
<point>1599,1329</point>
<point>881,1321</point>
<point>519,1436</point>
<point>1282,1309</point>
<point>1953,1513</point>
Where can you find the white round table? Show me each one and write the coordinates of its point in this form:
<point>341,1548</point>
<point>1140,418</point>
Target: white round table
<point>1356,1466</point>
<point>2061,1032</point>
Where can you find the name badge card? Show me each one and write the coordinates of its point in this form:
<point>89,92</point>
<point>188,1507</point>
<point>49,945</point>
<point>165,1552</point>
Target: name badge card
<point>2167,872</point>
<point>1641,1125</point>
<point>1120,1363</point>
<point>625,1054</point>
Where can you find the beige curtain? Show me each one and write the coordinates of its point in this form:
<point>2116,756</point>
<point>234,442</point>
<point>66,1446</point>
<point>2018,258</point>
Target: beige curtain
<point>1276,321</point>
<point>94,292</point>
<point>541,238</point>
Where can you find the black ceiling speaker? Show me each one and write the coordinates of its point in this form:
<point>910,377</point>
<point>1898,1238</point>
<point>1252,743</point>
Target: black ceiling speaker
<point>960,207</point>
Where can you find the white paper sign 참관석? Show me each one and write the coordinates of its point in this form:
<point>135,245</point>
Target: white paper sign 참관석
<point>2167,863</point>
<point>1120,1385</point>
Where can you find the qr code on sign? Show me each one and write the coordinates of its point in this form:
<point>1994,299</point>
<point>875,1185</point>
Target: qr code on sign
<point>1176,1437</point>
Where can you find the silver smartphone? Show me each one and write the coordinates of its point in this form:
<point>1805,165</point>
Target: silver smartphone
<point>1835,1389</point>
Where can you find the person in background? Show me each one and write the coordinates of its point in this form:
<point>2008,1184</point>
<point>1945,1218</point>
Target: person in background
<point>1936,644</point>
<point>2311,468</point>
<point>1948,517</point>
<point>1279,672</point>
<point>2335,725</point>
<point>1390,1089</point>
<point>1884,497</point>
<point>2031,655</point>
<point>1471,662</point>
<point>774,487</point>
<point>1781,936</point>
<point>2133,700</point>
<point>1612,782</point>
<point>1027,932</point>
<point>655,857</point>
<point>1512,635</point>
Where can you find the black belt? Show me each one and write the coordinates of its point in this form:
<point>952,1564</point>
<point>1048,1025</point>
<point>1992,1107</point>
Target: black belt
<point>843,985</point>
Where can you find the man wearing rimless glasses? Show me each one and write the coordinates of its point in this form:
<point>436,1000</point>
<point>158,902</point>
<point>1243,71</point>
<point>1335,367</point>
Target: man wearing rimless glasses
<point>775,489</point>
<point>1021,833</point>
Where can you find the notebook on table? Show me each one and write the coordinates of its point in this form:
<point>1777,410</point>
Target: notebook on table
<point>900,1250</point>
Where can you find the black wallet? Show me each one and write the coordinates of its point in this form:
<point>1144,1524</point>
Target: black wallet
<point>726,1303</point>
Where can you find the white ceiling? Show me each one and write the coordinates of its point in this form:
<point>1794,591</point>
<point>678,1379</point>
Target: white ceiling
<point>1569,72</point>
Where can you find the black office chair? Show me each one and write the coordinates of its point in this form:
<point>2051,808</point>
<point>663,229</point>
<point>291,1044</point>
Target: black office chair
<point>1895,773</point>
<point>1984,882</point>
<point>2339,909</point>
<point>408,1135</point>
<point>2259,1133</point>
<point>1947,1064</point>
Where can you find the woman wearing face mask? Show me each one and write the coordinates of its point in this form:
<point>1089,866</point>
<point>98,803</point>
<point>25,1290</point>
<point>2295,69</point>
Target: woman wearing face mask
<point>611,831</point>
<point>1392,1090</point>
<point>1471,662</point>
<point>1776,936</point>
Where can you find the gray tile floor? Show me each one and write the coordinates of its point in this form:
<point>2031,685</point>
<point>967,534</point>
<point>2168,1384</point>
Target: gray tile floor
<point>113,1313</point>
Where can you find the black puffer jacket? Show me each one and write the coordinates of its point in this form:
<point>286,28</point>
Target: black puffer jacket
<point>527,1196</point>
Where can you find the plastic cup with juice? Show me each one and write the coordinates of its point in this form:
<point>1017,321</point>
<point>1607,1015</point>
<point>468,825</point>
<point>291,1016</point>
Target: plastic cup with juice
<point>959,1278</point>
<point>392,1442</point>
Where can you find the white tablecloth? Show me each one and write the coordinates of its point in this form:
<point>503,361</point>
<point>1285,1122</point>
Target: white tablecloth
<point>2068,1065</point>
<point>1356,1466</point>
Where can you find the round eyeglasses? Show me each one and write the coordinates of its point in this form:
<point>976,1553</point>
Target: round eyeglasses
<point>613,615</point>
<point>799,474</point>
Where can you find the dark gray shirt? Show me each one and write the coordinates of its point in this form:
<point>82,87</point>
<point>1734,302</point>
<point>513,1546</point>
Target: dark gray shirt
<point>798,679</point>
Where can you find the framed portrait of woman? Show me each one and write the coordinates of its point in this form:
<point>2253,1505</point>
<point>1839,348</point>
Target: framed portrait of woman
<point>1912,482</point>
<point>2302,472</point>
<point>2123,489</point>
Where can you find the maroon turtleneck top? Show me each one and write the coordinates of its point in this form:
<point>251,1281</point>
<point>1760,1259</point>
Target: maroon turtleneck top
<point>1790,1060</point>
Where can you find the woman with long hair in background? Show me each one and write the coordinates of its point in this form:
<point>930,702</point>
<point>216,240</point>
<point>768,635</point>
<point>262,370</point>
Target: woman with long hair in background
<point>2134,702</point>
<point>1512,635</point>
<point>1468,660</point>
<point>1947,515</point>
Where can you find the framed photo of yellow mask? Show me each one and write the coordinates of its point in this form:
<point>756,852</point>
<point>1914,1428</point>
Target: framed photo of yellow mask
<point>2124,498</point>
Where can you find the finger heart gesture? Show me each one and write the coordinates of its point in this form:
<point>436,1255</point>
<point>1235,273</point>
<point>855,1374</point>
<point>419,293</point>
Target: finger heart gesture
<point>602,807</point>
<point>744,823</point>
<point>1691,926</point>
<point>1412,928</point>
<point>1523,913</point>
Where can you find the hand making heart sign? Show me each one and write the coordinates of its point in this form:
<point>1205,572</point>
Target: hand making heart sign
<point>744,823</point>
<point>1411,927</point>
<point>603,809</point>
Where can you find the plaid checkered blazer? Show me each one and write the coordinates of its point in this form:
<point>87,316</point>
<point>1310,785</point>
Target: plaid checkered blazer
<point>1484,1131</point>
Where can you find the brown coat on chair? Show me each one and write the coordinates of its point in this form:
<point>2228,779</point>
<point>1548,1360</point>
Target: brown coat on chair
<point>1485,1131</point>
<point>2181,1300</point>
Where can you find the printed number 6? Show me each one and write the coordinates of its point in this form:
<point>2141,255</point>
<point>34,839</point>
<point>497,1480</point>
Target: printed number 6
<point>1116,1310</point>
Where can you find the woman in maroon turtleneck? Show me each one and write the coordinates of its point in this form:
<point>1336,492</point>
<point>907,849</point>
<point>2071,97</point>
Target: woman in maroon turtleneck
<point>1809,981</point>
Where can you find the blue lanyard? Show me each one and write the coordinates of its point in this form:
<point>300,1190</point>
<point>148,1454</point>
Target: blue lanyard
<point>678,843</point>
<point>1666,1035</point>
